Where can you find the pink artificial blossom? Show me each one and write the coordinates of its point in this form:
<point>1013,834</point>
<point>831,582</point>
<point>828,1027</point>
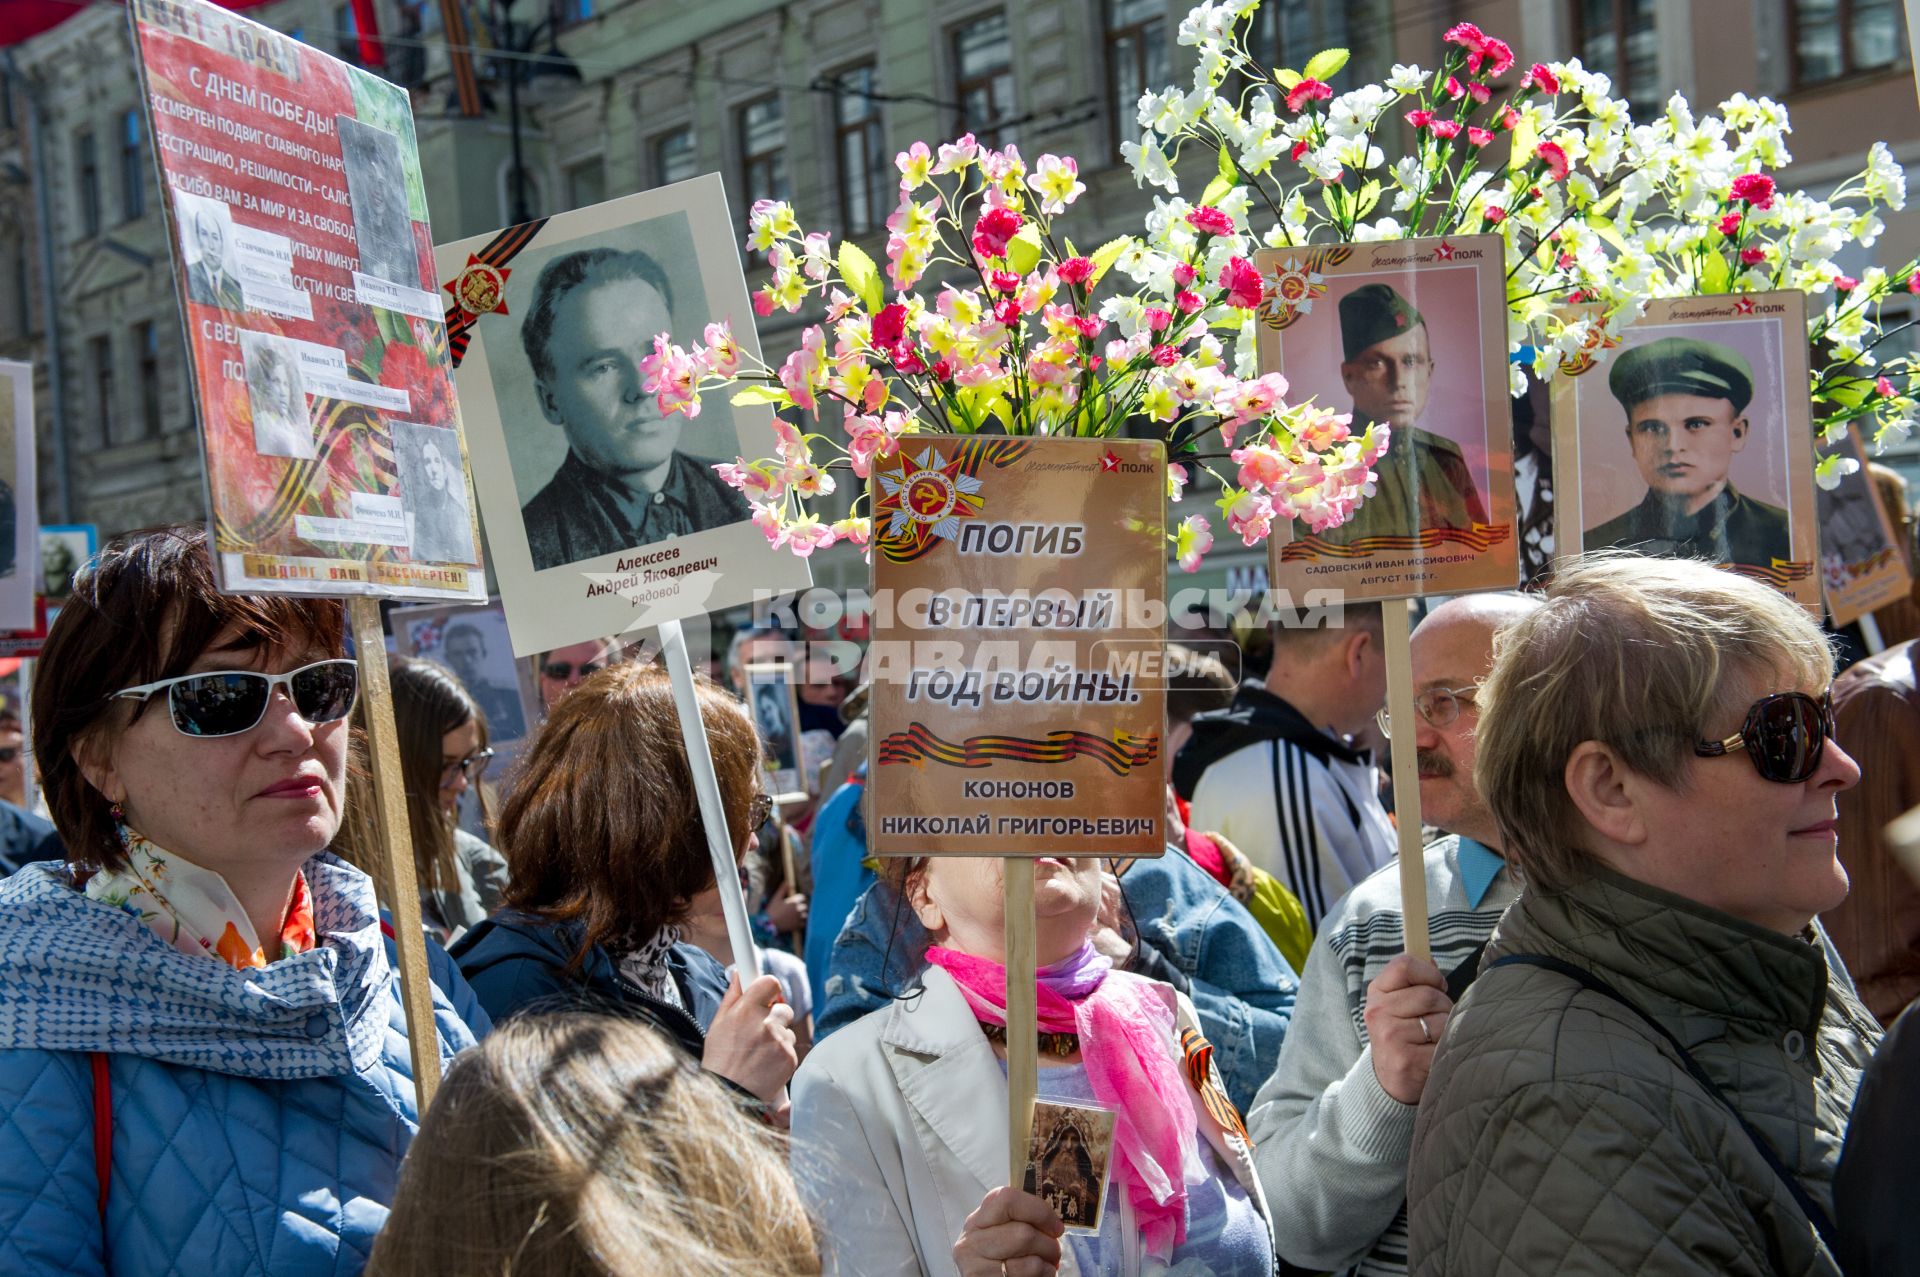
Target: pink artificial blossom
<point>1730,224</point>
<point>1189,301</point>
<point>1176,480</point>
<point>1555,157</point>
<point>764,301</point>
<point>1446,129</point>
<point>1845,283</point>
<point>1199,538</point>
<point>1755,189</point>
<point>1261,466</point>
<point>1183,274</point>
<point>1006,311</point>
<point>1477,136</point>
<point>1242,281</point>
<point>1075,270</point>
<point>1420,118</point>
<point>1509,118</point>
<point>1496,54</point>
<point>1884,388</point>
<point>1752,256</point>
<point>1495,214</point>
<point>1466,35</point>
<point>1479,93</point>
<point>1003,281</point>
<point>1210,221</point>
<point>888,326</point>
<point>957,154</point>
<point>1166,356</point>
<point>1455,89</point>
<point>1299,149</point>
<point>992,231</point>
<point>1089,325</point>
<point>1307,91</point>
<point>1541,75</point>
<point>723,352</point>
<point>1158,318</point>
<point>1251,515</point>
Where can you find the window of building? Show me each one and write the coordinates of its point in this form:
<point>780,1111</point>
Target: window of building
<point>674,158</point>
<point>859,148</point>
<point>100,365</point>
<point>1618,37</point>
<point>133,166</point>
<point>1285,33</point>
<point>763,149</point>
<point>1136,60</point>
<point>86,167</point>
<point>146,340</point>
<point>586,183</point>
<point>346,34</point>
<point>982,53</point>
<point>1835,38</point>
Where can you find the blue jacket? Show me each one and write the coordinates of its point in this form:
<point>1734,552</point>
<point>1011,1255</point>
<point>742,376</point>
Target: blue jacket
<point>1193,935</point>
<point>840,875</point>
<point>24,838</point>
<point>516,963</point>
<point>258,1117</point>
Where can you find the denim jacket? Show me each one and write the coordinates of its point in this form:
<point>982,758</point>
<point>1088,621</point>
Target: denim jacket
<point>1193,935</point>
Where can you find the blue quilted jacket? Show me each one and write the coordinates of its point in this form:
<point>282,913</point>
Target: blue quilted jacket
<point>258,1117</point>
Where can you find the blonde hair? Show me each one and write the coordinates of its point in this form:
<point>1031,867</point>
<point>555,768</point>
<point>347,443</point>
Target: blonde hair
<point>587,1146</point>
<point>1638,654</point>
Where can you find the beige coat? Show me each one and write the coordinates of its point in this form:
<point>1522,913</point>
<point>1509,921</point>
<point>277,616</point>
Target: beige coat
<point>900,1129</point>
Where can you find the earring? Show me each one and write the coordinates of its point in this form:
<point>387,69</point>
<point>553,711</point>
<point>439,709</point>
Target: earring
<point>118,813</point>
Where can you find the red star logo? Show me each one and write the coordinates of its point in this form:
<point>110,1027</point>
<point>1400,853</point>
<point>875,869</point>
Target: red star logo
<point>1444,252</point>
<point>1110,464</point>
<point>1744,306</point>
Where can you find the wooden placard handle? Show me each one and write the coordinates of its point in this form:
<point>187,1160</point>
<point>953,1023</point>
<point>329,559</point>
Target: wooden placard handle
<point>1023,1028</point>
<point>396,836</point>
<point>1396,622</point>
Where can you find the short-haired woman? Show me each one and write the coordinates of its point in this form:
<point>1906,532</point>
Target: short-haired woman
<point>586,1146</point>
<point>607,851</point>
<point>444,751</point>
<point>1653,1071</point>
<point>203,1055</point>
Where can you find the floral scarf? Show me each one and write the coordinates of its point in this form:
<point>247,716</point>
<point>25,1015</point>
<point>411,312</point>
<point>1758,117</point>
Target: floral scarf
<point>194,909</point>
<point>647,968</point>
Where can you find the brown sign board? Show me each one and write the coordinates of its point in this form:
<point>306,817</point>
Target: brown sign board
<point>1019,704</point>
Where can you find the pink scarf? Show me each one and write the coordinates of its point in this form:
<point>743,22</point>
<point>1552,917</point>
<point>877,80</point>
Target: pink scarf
<point>1126,1032</point>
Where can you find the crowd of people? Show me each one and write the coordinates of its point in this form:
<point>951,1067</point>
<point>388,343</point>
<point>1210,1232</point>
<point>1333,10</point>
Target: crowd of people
<point>1648,1037</point>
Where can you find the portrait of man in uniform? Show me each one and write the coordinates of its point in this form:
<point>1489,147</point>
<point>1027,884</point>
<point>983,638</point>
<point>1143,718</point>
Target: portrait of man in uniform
<point>466,652</point>
<point>1387,368</point>
<point>210,272</point>
<point>624,482</point>
<point>377,191</point>
<point>1685,402</point>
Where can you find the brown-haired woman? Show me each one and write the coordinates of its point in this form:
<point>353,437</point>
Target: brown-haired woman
<point>607,852</point>
<point>598,1151</point>
<point>444,751</point>
<point>249,1093</point>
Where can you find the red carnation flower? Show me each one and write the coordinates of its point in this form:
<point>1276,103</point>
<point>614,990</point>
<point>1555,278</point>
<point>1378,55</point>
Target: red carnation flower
<point>1478,136</point>
<point>1752,188</point>
<point>1730,225</point>
<point>1752,256</point>
<point>1209,220</point>
<point>1497,55</point>
<point>1466,35</point>
<point>1554,156</point>
<point>1242,281</point>
<point>888,326</point>
<point>1307,91</point>
<point>1540,75</point>
<point>1495,214</point>
<point>991,233</point>
<point>1448,129</point>
<point>1420,119</point>
<point>1075,270</point>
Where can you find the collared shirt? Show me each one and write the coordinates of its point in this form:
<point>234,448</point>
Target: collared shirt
<point>1422,482</point>
<point>1479,866</point>
<point>1731,528</point>
<point>584,513</point>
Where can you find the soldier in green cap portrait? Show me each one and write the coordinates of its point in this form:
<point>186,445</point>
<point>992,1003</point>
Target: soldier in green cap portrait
<point>1387,367</point>
<point>1686,403</point>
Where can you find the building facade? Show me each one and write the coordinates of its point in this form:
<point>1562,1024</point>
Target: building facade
<point>807,100</point>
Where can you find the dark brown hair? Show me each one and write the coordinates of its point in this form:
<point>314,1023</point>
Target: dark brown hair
<point>429,702</point>
<point>589,1146</point>
<point>145,608</point>
<point>603,826</point>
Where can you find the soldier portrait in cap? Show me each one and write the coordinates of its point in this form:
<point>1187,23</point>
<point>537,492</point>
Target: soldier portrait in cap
<point>1685,431</point>
<point>1387,370</point>
<point>1685,403</point>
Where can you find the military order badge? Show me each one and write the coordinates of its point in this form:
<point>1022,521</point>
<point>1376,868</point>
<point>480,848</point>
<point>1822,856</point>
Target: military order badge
<point>604,512</point>
<point>1409,336</point>
<point>1688,433</point>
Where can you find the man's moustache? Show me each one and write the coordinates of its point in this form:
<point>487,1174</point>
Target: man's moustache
<point>1432,764</point>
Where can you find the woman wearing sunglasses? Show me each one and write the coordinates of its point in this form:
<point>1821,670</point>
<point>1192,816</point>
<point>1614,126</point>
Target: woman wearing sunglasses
<point>202,1047</point>
<point>1653,1071</point>
<point>608,857</point>
<point>444,752</point>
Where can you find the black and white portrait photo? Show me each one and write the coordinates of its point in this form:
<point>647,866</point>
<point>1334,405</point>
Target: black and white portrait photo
<point>1852,527</point>
<point>486,671</point>
<point>1068,1160</point>
<point>776,716</point>
<point>277,395</point>
<point>628,479</point>
<point>434,490</point>
<point>206,236</point>
<point>377,189</point>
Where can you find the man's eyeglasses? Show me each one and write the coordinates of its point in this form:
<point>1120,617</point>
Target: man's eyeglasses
<point>473,767</point>
<point>1785,735</point>
<point>561,671</point>
<point>1438,705</point>
<point>228,702</point>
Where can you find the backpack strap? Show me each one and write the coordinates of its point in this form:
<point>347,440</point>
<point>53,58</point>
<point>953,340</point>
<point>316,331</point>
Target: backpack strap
<point>102,1133</point>
<point>1594,984</point>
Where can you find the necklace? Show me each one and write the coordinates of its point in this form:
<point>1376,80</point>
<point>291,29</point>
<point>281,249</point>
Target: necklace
<point>1060,1044</point>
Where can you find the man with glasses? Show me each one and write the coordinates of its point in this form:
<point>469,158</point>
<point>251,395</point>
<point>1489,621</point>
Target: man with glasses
<point>1653,1070</point>
<point>1332,1127</point>
<point>1387,367</point>
<point>565,668</point>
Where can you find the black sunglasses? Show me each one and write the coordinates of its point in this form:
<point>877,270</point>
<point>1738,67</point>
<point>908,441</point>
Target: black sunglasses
<point>1785,735</point>
<point>562,670</point>
<point>228,702</point>
<point>473,767</point>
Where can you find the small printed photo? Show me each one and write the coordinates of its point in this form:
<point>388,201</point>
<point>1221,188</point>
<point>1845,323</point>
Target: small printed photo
<point>1068,1158</point>
<point>434,490</point>
<point>277,394</point>
<point>377,189</point>
<point>1852,526</point>
<point>64,549</point>
<point>776,716</point>
<point>473,643</point>
<point>206,245</point>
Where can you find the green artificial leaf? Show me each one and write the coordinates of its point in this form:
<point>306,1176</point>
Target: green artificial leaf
<point>1848,392</point>
<point>1716,274</point>
<point>1604,227</point>
<point>1326,64</point>
<point>1224,181</point>
<point>861,276</point>
<point>761,394</point>
<point>1023,250</point>
<point>1072,252</point>
<point>1105,256</point>
<point>1287,79</point>
<point>1525,139</point>
<point>1338,201</point>
<point>1368,198</point>
<point>393,326</point>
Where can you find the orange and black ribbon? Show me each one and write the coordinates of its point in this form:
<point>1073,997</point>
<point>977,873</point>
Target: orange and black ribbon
<point>504,248</point>
<point>1480,538</point>
<point>1119,754</point>
<point>1199,1053</point>
<point>1779,574</point>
